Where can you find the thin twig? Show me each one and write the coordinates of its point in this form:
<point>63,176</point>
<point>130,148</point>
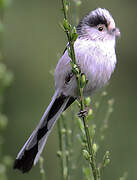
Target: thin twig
<point>78,74</point>
<point>42,171</point>
<point>59,124</point>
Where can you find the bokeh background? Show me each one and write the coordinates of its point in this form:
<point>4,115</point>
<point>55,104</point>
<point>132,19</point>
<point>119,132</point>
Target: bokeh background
<point>32,40</point>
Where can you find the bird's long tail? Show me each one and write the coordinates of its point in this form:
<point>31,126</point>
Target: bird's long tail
<point>32,149</point>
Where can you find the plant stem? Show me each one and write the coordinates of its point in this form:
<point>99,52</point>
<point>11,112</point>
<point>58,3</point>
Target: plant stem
<point>67,146</point>
<point>64,9</point>
<point>71,44</point>
<point>81,98</point>
<point>91,153</point>
<point>42,171</point>
<point>59,124</point>
<point>64,149</point>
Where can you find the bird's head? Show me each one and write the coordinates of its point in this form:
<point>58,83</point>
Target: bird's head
<point>98,25</point>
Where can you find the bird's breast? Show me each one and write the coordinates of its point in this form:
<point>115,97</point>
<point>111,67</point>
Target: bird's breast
<point>97,62</point>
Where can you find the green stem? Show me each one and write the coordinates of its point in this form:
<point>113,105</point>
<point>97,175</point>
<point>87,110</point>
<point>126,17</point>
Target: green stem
<point>67,147</point>
<point>71,45</point>
<point>59,124</point>
<point>92,157</point>
<point>82,106</point>
<point>63,149</point>
<point>42,171</point>
<point>64,9</point>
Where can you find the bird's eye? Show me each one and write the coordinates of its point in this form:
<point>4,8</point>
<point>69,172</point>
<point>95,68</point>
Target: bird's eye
<point>100,28</point>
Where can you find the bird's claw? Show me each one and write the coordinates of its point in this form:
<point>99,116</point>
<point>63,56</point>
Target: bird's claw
<point>82,114</point>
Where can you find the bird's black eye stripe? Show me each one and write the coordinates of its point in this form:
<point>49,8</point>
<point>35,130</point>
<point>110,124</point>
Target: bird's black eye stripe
<point>96,20</point>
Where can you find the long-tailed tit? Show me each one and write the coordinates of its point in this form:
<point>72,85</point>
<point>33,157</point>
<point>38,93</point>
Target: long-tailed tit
<point>96,58</point>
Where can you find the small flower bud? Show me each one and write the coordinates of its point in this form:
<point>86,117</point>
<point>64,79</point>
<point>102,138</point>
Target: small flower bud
<point>59,153</point>
<point>106,159</point>
<point>74,37</point>
<point>110,102</point>
<point>74,30</point>
<point>90,112</point>
<point>95,148</point>
<point>67,8</point>
<point>63,130</point>
<point>74,34</point>
<point>42,171</point>
<point>87,101</point>
<point>106,162</point>
<point>107,153</point>
<point>86,154</point>
<point>64,113</point>
<point>83,80</point>
<point>74,66</point>
<point>104,93</point>
<point>66,25</point>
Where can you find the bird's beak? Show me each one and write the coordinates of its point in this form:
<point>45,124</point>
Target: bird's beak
<point>115,31</point>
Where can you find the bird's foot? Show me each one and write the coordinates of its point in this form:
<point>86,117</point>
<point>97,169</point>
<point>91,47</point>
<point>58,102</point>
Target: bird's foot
<point>82,114</point>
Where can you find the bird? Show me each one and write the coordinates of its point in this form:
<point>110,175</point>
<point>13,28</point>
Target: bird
<point>96,57</point>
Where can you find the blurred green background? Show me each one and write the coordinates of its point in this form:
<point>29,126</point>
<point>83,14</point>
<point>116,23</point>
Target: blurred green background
<point>32,40</point>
